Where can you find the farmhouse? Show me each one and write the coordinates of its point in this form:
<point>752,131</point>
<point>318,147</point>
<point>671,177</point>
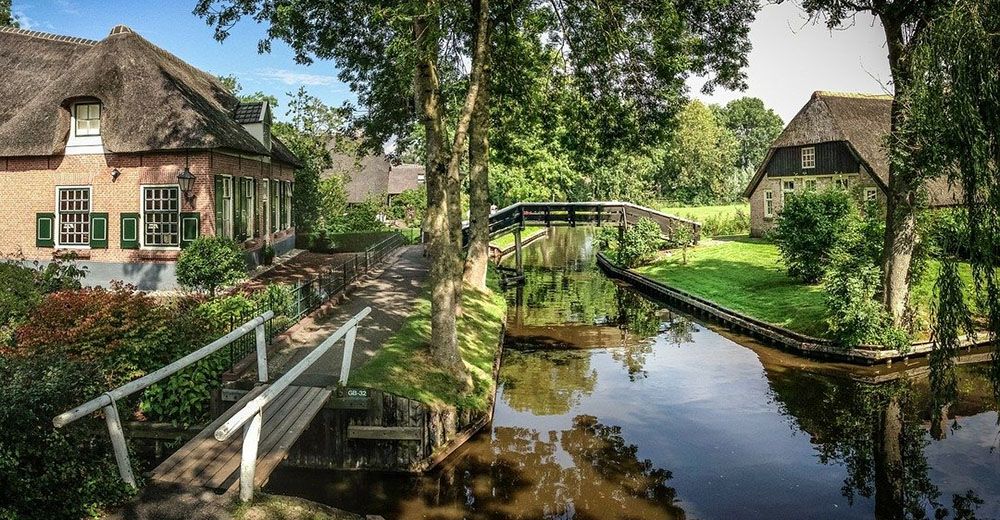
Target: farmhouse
<point>120,153</point>
<point>836,140</point>
<point>373,177</point>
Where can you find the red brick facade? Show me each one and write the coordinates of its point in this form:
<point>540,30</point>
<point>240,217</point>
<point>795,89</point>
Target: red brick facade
<point>28,187</point>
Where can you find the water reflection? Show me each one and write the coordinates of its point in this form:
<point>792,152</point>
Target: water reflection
<point>610,406</point>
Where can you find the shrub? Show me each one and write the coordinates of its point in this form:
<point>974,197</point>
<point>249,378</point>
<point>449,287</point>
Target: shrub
<point>409,206</point>
<point>737,223</point>
<point>807,229</point>
<point>639,243</point>
<point>61,274</point>
<point>211,262</point>
<point>18,294</point>
<point>851,283</point>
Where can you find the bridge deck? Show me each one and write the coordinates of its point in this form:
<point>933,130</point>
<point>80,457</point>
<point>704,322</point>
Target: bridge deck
<point>206,462</point>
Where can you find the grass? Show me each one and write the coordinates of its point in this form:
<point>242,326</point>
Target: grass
<point>701,213</point>
<point>748,276</point>
<point>505,241</point>
<point>404,366</point>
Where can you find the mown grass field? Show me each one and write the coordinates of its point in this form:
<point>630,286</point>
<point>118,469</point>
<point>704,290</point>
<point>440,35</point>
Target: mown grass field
<point>505,241</point>
<point>700,213</point>
<point>404,366</point>
<point>748,276</point>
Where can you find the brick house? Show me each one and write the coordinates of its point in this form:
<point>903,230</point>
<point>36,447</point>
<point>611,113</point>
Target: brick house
<point>836,140</point>
<point>122,154</point>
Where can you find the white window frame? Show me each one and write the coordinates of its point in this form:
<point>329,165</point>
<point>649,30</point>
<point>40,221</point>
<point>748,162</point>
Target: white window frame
<point>251,199</point>
<point>77,120</point>
<point>808,157</point>
<point>288,203</point>
<point>843,183</point>
<point>871,194</point>
<point>811,184</point>
<point>57,225</point>
<point>265,186</point>
<point>768,203</point>
<point>228,207</point>
<point>142,217</point>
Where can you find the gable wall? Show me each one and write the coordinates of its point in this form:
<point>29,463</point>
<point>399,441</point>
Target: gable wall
<point>833,157</point>
<point>760,224</point>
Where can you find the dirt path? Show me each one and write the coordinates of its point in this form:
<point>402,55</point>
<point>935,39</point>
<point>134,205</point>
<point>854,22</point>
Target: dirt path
<point>391,292</point>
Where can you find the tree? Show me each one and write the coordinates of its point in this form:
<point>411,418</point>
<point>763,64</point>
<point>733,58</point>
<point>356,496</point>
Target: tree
<point>211,262</point>
<point>7,18</point>
<point>904,23</point>
<point>700,158</point>
<point>754,126</point>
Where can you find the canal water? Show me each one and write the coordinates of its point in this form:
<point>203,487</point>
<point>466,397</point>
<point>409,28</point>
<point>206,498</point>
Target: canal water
<point>614,406</point>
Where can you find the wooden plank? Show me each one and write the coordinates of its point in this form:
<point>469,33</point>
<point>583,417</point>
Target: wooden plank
<point>395,433</point>
<point>185,451</point>
<point>270,461</point>
<point>209,454</point>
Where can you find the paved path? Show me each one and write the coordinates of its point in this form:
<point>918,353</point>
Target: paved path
<point>391,292</point>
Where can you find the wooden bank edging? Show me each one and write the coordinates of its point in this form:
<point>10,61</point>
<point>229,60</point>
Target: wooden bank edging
<point>500,253</point>
<point>779,336</point>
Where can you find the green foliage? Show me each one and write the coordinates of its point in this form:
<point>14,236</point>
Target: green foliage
<point>754,126</point>
<point>362,217</point>
<point>851,284</point>
<point>409,206</point>
<point>61,274</point>
<point>7,18</point>
<point>210,262</point>
<point>18,293</point>
<point>716,221</point>
<point>47,472</point>
<point>808,228</point>
<point>184,398</point>
<point>700,161</point>
<point>636,245</point>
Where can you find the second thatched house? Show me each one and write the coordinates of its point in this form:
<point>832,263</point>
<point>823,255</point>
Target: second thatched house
<point>836,140</point>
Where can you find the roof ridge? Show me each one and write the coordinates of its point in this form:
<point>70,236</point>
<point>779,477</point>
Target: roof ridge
<point>49,36</point>
<point>860,95</point>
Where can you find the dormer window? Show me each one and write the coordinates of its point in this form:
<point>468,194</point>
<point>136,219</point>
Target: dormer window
<point>808,158</point>
<point>87,119</point>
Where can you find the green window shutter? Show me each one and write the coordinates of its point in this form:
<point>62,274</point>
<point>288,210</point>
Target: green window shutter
<point>98,230</point>
<point>129,230</point>
<point>190,228</point>
<point>45,225</point>
<point>274,205</point>
<point>253,209</point>
<point>219,207</point>
<point>238,209</point>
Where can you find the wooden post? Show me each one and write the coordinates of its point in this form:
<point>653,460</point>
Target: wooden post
<point>345,365</point>
<point>261,353</point>
<point>248,461</point>
<point>518,261</point>
<point>118,443</point>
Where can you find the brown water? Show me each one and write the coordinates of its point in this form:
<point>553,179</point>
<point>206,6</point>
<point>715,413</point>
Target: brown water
<point>612,406</point>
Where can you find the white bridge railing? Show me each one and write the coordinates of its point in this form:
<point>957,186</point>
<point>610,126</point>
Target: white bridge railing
<point>108,399</point>
<point>250,417</point>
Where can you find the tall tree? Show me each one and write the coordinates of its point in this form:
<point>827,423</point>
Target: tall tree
<point>699,166</point>
<point>903,22</point>
<point>7,18</point>
<point>754,126</point>
<point>479,158</point>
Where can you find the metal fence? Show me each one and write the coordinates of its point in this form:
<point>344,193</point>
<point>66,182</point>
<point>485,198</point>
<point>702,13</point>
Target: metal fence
<point>307,296</point>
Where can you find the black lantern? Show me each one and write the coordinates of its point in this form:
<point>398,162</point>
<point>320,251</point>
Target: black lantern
<point>186,180</point>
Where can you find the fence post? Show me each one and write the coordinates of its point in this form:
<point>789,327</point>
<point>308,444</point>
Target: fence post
<point>261,353</point>
<point>248,458</point>
<point>118,443</point>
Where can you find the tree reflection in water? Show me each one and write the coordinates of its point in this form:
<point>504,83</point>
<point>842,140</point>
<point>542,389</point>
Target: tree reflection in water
<point>546,382</point>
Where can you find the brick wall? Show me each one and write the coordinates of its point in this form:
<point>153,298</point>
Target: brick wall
<point>28,186</point>
<point>759,224</point>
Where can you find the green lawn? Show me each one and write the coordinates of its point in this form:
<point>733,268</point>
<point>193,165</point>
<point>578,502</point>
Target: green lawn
<point>505,241</point>
<point>701,213</point>
<point>748,276</point>
<point>404,367</point>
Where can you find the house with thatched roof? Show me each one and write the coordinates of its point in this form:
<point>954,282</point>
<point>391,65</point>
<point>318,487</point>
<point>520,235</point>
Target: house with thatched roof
<point>372,176</point>
<point>836,140</point>
<point>121,154</point>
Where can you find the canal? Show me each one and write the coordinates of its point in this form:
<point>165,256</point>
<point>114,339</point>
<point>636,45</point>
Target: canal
<point>613,406</point>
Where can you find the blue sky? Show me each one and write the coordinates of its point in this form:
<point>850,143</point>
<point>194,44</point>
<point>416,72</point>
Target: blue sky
<point>791,57</point>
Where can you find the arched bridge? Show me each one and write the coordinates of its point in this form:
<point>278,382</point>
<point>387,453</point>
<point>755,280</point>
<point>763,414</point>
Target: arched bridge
<point>615,213</point>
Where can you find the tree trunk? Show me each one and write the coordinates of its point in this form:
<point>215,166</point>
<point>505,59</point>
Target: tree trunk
<point>479,205</point>
<point>440,246</point>
<point>889,462</point>
<point>900,218</point>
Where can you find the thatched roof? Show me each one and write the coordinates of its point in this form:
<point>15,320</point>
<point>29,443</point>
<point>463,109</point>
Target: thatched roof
<point>364,177</point>
<point>151,99</point>
<point>863,121</point>
<point>405,177</point>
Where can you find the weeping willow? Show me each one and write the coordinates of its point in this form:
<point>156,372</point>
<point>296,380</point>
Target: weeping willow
<point>951,124</point>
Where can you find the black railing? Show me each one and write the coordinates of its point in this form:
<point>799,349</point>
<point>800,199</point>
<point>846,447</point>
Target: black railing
<point>307,296</point>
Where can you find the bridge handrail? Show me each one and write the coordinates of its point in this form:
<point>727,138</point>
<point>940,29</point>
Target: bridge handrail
<point>107,400</point>
<point>252,411</point>
<point>605,204</point>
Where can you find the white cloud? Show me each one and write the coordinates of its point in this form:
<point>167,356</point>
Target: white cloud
<point>289,77</point>
<point>28,23</point>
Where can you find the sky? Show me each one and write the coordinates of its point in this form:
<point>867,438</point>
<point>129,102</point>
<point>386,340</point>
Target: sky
<point>791,56</point>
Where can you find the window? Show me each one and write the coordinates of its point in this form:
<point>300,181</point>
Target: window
<point>842,183</point>
<point>870,194</point>
<point>811,184</point>
<point>226,211</point>
<point>250,211</point>
<point>288,205</point>
<point>768,203</point>
<point>788,186</point>
<point>265,193</point>
<point>74,216</point>
<point>161,215</point>
<point>87,118</point>
<point>808,157</point>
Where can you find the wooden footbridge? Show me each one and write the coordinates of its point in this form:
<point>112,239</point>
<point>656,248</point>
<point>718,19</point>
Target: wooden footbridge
<point>515,217</point>
<point>271,417</point>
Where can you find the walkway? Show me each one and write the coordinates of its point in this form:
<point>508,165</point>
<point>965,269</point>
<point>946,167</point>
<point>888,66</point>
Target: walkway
<point>391,293</point>
<point>300,268</point>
